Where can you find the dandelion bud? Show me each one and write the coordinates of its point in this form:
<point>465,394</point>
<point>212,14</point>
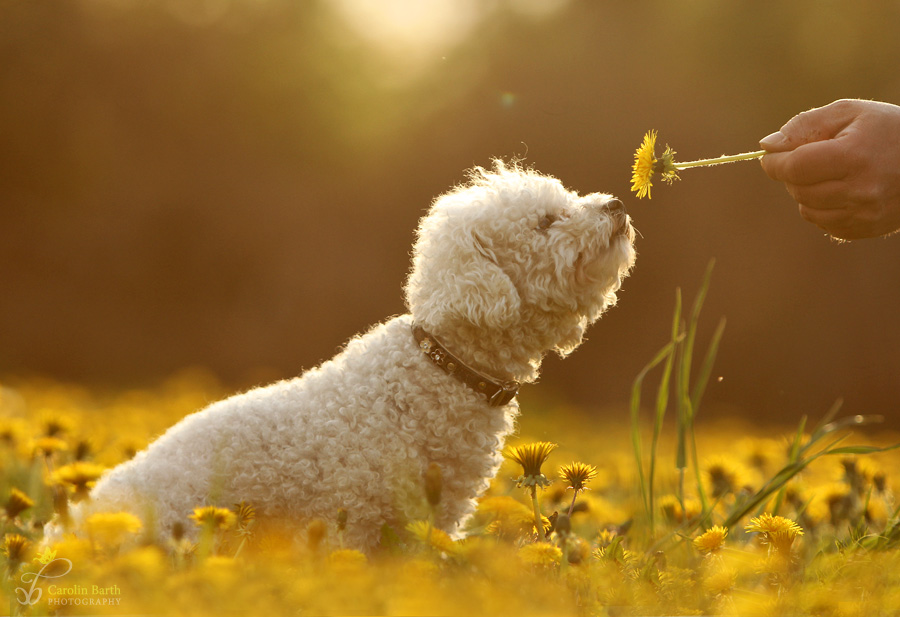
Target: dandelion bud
<point>316,533</point>
<point>880,481</point>
<point>83,450</point>
<point>563,525</point>
<point>178,531</point>
<point>433,484</point>
<point>61,504</point>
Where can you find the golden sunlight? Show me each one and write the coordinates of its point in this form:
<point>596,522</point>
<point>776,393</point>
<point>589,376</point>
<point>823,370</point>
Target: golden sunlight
<point>411,33</point>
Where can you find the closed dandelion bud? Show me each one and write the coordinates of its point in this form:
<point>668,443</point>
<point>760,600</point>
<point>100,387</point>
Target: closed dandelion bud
<point>341,519</point>
<point>17,503</point>
<point>563,525</point>
<point>316,532</point>
<point>178,531</point>
<point>61,503</point>
<point>83,450</point>
<point>433,484</point>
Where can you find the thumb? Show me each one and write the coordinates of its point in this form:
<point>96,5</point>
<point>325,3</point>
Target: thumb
<point>814,125</point>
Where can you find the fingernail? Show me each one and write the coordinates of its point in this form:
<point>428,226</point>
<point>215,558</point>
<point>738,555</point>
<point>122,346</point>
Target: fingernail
<point>770,142</point>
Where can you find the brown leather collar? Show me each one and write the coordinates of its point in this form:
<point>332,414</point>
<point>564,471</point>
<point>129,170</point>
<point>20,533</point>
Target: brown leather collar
<point>498,393</point>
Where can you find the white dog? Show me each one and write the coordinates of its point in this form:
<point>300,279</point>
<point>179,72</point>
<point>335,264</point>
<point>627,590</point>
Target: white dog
<point>505,268</point>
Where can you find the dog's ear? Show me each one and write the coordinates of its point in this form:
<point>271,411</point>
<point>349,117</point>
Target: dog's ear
<point>465,284</point>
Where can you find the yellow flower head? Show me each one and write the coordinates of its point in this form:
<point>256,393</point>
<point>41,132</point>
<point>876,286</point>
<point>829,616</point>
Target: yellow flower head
<point>720,580</point>
<point>531,456</point>
<point>213,517</point>
<point>54,424</point>
<point>646,165</point>
<point>644,162</point>
<point>15,547</point>
<point>435,538</point>
<point>672,510</point>
<point>45,446</point>
<point>245,514</point>
<point>346,561</point>
<point>725,475</point>
<point>509,518</point>
<point>112,528</point>
<point>541,554</point>
<point>577,475</point>
<point>712,540</point>
<point>776,531</point>
<point>17,503</point>
<point>80,476</point>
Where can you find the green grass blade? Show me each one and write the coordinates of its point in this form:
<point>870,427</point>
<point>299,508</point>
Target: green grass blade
<point>662,402</point>
<point>792,458</point>
<point>709,361</point>
<point>792,469</point>
<point>635,406</point>
<point>688,357</point>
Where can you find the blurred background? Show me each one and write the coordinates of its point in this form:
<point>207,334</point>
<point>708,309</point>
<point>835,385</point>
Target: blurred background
<point>235,184</point>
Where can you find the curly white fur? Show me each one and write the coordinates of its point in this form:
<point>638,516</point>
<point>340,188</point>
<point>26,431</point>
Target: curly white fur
<point>505,268</point>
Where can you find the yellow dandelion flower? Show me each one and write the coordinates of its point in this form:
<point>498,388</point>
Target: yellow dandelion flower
<point>531,457</point>
<point>15,547</point>
<point>213,517</point>
<point>542,554</point>
<point>577,475</point>
<point>672,510</point>
<point>80,476</point>
<point>510,519</point>
<point>433,537</point>
<point>711,540</point>
<point>719,580</point>
<point>46,446</point>
<point>606,537</point>
<point>726,476</point>
<point>17,503</point>
<point>245,514</point>
<point>12,430</point>
<point>347,560</point>
<point>646,164</point>
<point>112,528</point>
<point>54,424</point>
<point>776,531</point>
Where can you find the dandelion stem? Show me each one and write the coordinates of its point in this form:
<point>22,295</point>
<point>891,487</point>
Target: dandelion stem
<point>538,522</point>
<point>746,156</point>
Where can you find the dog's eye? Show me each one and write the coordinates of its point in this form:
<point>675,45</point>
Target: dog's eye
<point>546,221</point>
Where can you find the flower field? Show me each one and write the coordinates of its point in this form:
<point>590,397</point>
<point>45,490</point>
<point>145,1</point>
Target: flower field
<point>823,544</point>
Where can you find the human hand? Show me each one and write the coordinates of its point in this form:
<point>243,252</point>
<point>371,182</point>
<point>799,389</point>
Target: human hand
<point>841,163</point>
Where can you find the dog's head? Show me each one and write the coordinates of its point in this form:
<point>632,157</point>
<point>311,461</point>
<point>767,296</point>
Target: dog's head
<point>513,250</point>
